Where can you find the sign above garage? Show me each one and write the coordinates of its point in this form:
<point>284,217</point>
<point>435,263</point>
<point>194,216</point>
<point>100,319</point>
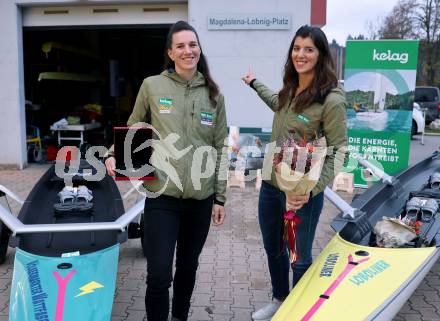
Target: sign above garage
<point>117,14</point>
<point>249,21</point>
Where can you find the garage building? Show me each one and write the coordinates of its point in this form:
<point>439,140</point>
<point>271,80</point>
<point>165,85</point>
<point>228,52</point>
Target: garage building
<point>86,59</point>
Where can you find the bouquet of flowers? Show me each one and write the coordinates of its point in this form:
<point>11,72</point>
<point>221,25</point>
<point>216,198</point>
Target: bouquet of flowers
<point>297,169</point>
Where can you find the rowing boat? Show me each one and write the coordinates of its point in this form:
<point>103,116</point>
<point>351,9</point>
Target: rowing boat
<point>354,279</point>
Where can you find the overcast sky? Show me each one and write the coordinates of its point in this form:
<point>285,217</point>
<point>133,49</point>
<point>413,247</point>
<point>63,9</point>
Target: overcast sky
<point>346,17</point>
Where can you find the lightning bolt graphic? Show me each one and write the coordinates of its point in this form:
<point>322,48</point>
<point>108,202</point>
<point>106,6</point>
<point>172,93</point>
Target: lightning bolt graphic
<point>89,288</point>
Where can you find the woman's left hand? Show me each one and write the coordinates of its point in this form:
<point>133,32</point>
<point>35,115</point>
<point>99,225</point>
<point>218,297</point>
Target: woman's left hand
<point>295,202</point>
<point>218,214</point>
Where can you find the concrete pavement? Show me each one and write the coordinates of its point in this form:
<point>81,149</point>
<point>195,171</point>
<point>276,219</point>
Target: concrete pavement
<point>233,278</point>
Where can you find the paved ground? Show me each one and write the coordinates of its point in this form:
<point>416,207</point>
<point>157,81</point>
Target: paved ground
<point>233,278</point>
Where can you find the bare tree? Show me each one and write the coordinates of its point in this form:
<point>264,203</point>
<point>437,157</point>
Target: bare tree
<point>416,19</point>
<point>429,19</point>
<point>372,29</point>
<point>428,16</point>
<point>402,21</point>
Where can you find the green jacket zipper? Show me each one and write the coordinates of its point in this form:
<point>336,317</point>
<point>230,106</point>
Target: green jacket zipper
<point>187,141</point>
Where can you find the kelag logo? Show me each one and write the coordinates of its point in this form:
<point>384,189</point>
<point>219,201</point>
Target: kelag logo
<point>390,56</point>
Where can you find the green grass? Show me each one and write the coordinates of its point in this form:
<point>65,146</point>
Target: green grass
<point>429,131</point>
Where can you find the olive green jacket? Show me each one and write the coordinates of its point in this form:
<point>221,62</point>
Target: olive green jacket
<point>176,106</point>
<point>327,114</point>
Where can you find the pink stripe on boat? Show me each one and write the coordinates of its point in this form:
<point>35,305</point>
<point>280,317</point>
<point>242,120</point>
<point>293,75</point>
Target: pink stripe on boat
<point>350,266</point>
<point>62,286</point>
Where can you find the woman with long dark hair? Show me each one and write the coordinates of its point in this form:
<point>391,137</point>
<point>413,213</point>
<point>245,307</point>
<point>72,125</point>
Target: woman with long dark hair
<point>309,102</point>
<point>182,100</point>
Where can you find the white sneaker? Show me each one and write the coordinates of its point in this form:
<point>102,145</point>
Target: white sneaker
<point>267,312</point>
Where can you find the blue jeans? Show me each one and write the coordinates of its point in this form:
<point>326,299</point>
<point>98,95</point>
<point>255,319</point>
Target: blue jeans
<point>271,208</point>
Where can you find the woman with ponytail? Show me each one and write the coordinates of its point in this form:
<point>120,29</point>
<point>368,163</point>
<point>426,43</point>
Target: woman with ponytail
<point>182,100</point>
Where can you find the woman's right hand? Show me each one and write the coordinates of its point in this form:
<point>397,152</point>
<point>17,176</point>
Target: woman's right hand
<point>110,165</point>
<point>249,76</point>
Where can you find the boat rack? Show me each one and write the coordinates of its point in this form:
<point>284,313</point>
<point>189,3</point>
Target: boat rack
<point>17,227</point>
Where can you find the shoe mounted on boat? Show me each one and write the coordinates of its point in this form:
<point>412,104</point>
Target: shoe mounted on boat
<point>434,181</point>
<point>428,210</point>
<point>73,200</point>
<point>420,209</point>
<point>413,207</point>
<point>66,199</point>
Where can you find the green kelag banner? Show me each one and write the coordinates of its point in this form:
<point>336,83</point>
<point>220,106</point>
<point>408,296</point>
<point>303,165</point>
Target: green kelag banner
<point>380,78</point>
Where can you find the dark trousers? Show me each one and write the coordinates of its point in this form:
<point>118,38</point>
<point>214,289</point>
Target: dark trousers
<point>271,208</point>
<point>170,221</point>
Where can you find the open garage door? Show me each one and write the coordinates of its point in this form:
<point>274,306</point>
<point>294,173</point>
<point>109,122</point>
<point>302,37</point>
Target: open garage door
<point>86,64</point>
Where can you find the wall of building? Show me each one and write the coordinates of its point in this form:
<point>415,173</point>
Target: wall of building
<point>12,128</point>
<point>231,52</point>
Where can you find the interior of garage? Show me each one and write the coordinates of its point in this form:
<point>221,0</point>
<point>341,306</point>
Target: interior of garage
<point>86,75</point>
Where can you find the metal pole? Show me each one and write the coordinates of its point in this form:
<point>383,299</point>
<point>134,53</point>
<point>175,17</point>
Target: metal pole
<point>17,227</point>
<point>341,204</point>
<point>11,194</point>
<point>424,125</point>
<point>387,179</point>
